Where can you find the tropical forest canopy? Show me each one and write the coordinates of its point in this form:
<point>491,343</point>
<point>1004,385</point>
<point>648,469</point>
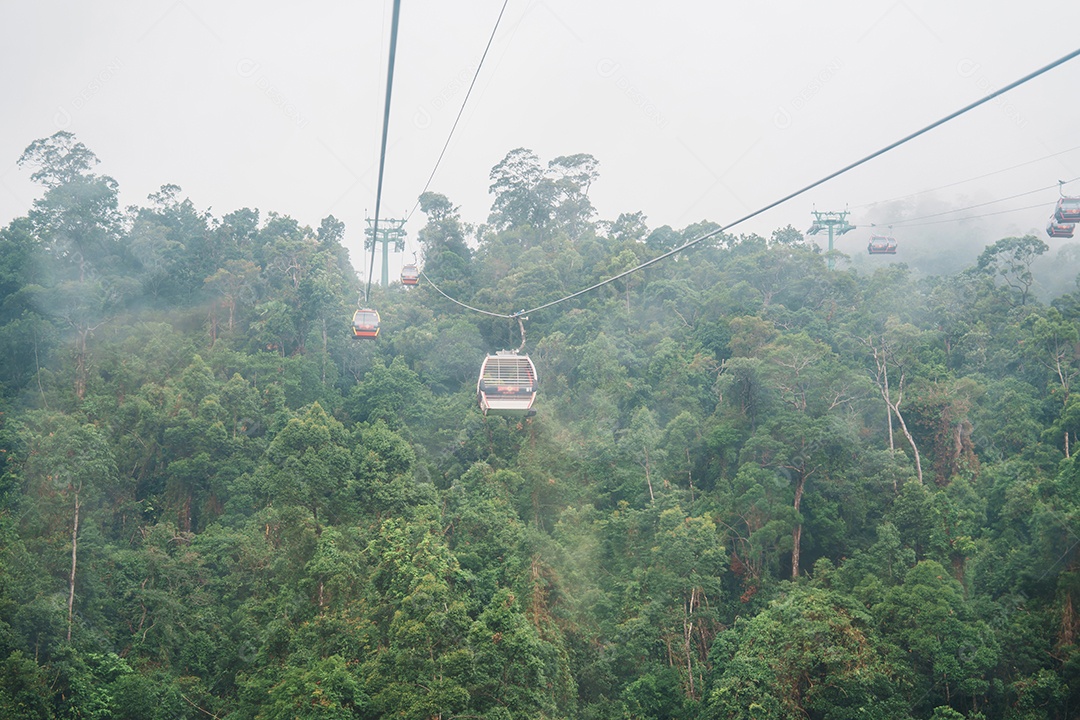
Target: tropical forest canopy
<point>755,487</point>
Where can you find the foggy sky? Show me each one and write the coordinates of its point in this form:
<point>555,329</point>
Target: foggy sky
<point>697,110</point>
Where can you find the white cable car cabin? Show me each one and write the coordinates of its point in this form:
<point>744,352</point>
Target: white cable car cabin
<point>507,385</point>
<point>881,245</point>
<point>365,324</point>
<point>1059,230</point>
<point>410,275</point>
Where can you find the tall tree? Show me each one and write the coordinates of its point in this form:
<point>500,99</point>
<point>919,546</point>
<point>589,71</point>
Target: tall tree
<point>77,219</point>
<point>70,460</point>
<point>308,464</point>
<point>1010,260</point>
<point>523,194</point>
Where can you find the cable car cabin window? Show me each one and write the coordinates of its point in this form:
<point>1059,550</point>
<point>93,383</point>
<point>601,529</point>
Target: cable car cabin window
<point>1067,210</point>
<point>365,324</point>
<point>509,371</point>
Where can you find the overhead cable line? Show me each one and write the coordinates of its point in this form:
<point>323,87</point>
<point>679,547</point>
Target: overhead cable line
<point>851,166</point>
<point>467,307</point>
<point>460,110</point>
<point>972,179</point>
<point>382,151</point>
<point>897,223</point>
<point>975,217</point>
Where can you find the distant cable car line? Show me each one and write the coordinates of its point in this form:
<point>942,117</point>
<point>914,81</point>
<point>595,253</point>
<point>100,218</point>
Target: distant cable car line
<point>969,207</point>
<point>460,110</point>
<point>412,277</point>
<point>891,146</point>
<point>972,179</point>
<point>975,217</point>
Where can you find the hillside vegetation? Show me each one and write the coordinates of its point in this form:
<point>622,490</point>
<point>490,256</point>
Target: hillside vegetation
<point>754,488</point>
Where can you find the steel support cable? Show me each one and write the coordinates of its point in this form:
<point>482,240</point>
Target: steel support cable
<point>460,110</point>
<point>851,166</point>
<point>912,224</point>
<point>382,151</point>
<point>458,302</point>
<point>976,217</point>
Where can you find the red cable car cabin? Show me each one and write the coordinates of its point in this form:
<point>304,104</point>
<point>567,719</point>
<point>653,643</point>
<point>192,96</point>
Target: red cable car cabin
<point>881,245</point>
<point>1067,211</point>
<point>507,385</point>
<point>410,275</point>
<point>365,323</point>
<point>1059,230</point>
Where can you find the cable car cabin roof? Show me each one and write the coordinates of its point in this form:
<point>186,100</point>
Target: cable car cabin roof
<point>507,385</point>
<point>365,323</point>
<point>1060,230</point>
<point>1067,210</point>
<point>508,368</point>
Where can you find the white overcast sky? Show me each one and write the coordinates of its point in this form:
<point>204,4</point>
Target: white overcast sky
<point>695,110</point>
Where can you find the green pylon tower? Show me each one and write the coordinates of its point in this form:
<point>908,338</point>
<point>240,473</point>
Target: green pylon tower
<point>390,231</point>
<point>836,223</point>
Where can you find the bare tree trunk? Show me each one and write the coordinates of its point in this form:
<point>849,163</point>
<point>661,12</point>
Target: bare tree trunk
<point>888,413</point>
<point>690,474</point>
<point>648,479</point>
<point>688,635</point>
<point>324,343</point>
<point>83,332</point>
<point>80,364</point>
<point>37,367</point>
<point>185,511</point>
<point>74,557</point>
<point>796,533</point>
<point>907,434</point>
<point>1067,633</point>
<point>882,361</point>
<point>958,447</point>
<point>536,506</point>
<point>213,325</point>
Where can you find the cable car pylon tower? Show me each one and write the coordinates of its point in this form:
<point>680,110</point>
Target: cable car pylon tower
<point>390,231</point>
<point>836,223</point>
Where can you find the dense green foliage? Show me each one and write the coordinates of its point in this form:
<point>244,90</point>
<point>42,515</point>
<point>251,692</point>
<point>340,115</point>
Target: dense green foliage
<point>755,488</point>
